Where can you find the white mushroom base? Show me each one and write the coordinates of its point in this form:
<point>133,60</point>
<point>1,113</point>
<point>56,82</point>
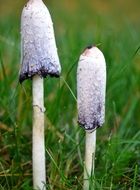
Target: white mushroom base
<point>38,154</point>
<point>90,148</point>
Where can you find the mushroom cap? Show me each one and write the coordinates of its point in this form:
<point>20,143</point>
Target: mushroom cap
<point>91,87</point>
<point>38,47</point>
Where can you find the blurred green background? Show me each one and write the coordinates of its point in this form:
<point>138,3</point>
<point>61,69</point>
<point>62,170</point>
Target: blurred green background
<point>114,26</point>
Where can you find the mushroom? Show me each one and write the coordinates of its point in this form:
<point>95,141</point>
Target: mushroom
<point>91,87</point>
<point>39,59</point>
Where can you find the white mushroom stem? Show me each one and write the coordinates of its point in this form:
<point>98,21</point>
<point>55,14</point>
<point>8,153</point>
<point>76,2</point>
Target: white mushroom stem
<point>90,147</point>
<point>38,156</point>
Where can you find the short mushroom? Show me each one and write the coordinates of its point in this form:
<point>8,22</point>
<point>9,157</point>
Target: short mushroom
<point>39,58</point>
<point>91,87</point>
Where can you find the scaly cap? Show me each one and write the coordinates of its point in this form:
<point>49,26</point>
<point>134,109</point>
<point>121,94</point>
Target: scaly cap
<point>91,87</point>
<point>38,46</point>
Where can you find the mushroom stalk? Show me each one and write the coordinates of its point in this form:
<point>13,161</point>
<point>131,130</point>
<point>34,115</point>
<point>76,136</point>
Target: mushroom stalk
<point>90,146</point>
<point>38,144</point>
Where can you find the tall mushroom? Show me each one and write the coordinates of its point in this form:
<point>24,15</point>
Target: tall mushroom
<point>91,87</point>
<point>39,59</point>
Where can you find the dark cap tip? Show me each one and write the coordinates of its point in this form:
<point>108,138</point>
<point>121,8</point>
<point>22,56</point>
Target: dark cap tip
<point>89,47</point>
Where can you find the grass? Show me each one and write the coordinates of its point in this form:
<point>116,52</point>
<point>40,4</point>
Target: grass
<point>117,164</point>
